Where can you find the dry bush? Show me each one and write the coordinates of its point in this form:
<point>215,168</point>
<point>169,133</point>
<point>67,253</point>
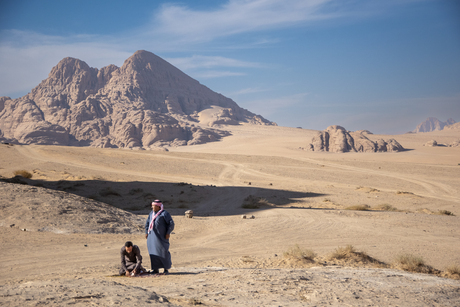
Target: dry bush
<point>342,252</point>
<point>349,255</point>
<point>135,191</point>
<point>453,272</point>
<point>253,202</point>
<point>411,263</point>
<point>108,192</point>
<point>297,253</point>
<point>404,193</point>
<point>445,212</point>
<point>23,173</point>
<point>358,208</point>
<point>386,207</point>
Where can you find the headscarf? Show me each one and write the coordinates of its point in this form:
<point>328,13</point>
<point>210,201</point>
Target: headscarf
<point>156,202</point>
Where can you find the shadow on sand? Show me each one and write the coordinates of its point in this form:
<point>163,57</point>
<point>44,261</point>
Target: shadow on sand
<point>204,200</point>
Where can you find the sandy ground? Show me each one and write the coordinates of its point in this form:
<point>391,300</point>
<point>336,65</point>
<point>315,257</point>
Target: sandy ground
<point>62,230</point>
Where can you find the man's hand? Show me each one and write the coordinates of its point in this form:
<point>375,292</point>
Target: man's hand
<point>134,271</point>
<point>127,273</point>
<point>146,235</point>
<point>167,236</point>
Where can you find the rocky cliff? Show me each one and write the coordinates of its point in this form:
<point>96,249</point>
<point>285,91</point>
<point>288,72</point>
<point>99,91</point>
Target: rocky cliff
<point>146,103</point>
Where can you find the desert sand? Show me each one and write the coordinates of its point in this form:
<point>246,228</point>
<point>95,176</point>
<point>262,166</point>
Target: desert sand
<point>62,230</point>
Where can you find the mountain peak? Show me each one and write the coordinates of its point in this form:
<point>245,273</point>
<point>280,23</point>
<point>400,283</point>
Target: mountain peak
<point>433,124</point>
<point>146,103</point>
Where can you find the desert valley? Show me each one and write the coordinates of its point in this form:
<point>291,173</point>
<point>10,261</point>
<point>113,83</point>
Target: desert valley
<point>320,228</point>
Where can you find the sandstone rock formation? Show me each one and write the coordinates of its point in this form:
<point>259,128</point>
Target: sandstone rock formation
<point>146,103</point>
<point>433,124</point>
<point>338,139</point>
<point>431,143</point>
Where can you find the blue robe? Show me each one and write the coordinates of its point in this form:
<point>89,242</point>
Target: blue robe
<point>157,244</point>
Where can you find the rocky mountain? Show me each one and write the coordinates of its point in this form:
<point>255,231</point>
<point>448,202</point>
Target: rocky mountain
<point>145,103</point>
<point>338,139</point>
<point>433,124</point>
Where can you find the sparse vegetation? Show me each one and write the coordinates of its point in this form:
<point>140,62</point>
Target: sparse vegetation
<point>135,191</point>
<point>404,193</point>
<point>253,202</point>
<point>108,192</point>
<point>342,252</point>
<point>411,263</point>
<point>386,207</point>
<point>349,255</point>
<point>23,173</point>
<point>297,253</point>
<point>445,212</point>
<point>453,272</point>
<point>358,208</point>
<point>194,301</point>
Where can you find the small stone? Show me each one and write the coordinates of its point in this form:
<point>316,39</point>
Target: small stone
<point>252,217</point>
<point>189,214</point>
<point>243,217</point>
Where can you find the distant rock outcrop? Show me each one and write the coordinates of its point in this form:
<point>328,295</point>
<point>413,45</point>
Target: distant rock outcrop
<point>338,139</point>
<point>452,127</point>
<point>146,103</point>
<point>433,124</point>
<point>431,143</point>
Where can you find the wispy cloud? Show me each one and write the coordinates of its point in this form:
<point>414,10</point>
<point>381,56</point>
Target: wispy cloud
<point>199,61</point>
<point>234,17</point>
<point>26,56</point>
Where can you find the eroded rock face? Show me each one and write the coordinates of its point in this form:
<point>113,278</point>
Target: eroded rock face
<point>146,103</point>
<point>431,143</point>
<point>338,139</point>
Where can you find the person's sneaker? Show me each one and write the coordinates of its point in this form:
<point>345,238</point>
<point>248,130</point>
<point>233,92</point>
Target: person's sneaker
<point>165,272</point>
<point>155,271</point>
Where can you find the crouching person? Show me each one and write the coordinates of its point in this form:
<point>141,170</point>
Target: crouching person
<point>131,260</point>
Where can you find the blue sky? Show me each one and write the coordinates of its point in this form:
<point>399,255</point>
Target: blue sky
<point>380,65</point>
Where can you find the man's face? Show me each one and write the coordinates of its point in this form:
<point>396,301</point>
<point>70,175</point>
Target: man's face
<point>155,207</point>
<point>129,249</point>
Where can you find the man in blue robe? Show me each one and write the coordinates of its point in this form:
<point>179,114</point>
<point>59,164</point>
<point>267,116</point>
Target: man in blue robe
<point>158,228</point>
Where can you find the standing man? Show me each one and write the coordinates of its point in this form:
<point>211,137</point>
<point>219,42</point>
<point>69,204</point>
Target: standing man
<point>131,259</point>
<point>158,227</point>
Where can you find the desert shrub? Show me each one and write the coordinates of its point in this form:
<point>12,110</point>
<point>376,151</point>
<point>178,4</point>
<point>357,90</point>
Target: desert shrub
<point>386,207</point>
<point>300,254</point>
<point>358,208</point>
<point>135,191</point>
<point>23,173</point>
<point>404,193</point>
<point>453,271</point>
<point>445,212</point>
<point>411,263</point>
<point>342,252</point>
<point>349,255</point>
<point>108,192</point>
<point>253,202</point>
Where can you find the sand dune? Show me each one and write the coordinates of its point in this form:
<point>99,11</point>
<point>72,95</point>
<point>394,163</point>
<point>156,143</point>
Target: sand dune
<point>219,259</point>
